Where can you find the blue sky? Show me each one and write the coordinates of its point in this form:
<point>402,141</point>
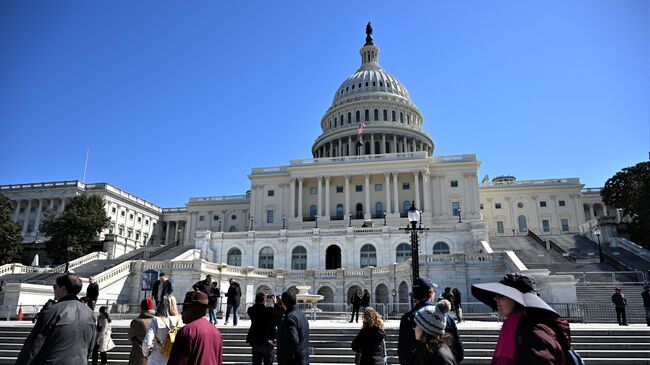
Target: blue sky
<point>181,99</point>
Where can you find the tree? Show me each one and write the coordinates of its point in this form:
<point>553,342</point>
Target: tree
<point>10,239</point>
<point>630,189</point>
<point>73,232</point>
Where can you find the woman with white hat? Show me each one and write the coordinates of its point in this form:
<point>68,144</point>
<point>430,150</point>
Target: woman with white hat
<point>433,344</point>
<point>532,332</point>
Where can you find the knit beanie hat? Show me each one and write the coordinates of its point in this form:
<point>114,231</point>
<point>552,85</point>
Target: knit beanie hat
<point>146,304</point>
<point>433,319</point>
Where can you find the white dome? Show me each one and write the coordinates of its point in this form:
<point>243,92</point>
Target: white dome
<point>370,79</point>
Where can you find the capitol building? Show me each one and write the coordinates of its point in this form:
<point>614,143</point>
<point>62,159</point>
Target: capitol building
<point>331,221</point>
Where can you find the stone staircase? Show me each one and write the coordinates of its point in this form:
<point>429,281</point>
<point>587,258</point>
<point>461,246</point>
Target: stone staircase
<point>332,345</point>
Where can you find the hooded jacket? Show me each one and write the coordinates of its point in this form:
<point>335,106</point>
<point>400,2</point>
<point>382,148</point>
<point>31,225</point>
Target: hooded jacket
<point>542,339</point>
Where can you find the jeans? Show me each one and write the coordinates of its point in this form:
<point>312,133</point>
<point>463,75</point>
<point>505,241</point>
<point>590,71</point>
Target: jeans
<point>355,310</point>
<point>213,314</point>
<point>620,312</point>
<point>232,307</point>
<point>647,315</point>
<point>263,355</point>
<point>101,354</point>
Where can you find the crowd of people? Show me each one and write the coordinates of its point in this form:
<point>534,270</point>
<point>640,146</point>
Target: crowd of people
<point>67,330</point>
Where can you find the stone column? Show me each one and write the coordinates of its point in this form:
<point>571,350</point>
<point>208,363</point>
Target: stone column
<point>177,226</point>
<point>416,179</point>
<point>591,211</point>
<point>292,187</point>
<point>169,228</point>
<point>319,196</point>
<point>17,210</point>
<point>327,198</point>
<point>388,210</point>
<point>350,148</point>
<point>254,190</point>
<point>426,206</point>
<point>26,219</point>
<point>368,215</point>
<point>37,221</point>
<point>300,199</point>
<point>383,143</point>
<point>62,207</point>
<point>396,206</point>
<point>395,143</point>
<point>441,209</point>
<point>372,144</point>
<point>346,188</point>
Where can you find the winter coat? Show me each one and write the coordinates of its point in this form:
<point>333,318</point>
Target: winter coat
<point>64,334</point>
<point>156,335</point>
<point>542,339</point>
<point>137,331</point>
<point>104,330</point>
<point>262,327</point>
<point>159,290</point>
<point>450,297</point>
<point>213,296</point>
<point>370,343</point>
<point>619,300</point>
<point>646,298</point>
<point>234,294</point>
<point>355,300</point>
<point>92,292</point>
<point>457,299</point>
<point>443,356</point>
<point>203,285</point>
<point>293,338</point>
<point>365,300</point>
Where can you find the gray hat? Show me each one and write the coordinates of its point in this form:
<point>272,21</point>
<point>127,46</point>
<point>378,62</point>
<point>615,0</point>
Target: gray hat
<point>432,319</point>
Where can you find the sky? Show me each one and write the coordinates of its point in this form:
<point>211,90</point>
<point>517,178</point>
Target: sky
<point>182,99</point>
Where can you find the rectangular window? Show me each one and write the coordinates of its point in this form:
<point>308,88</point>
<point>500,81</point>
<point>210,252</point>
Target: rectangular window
<point>137,236</point>
<point>313,191</point>
<point>562,203</point>
<point>546,227</point>
<point>500,227</point>
<point>455,208</point>
<point>481,206</point>
<point>393,115</point>
<point>131,216</point>
<point>454,183</point>
<point>215,217</point>
<point>139,219</point>
<point>122,213</point>
<point>378,187</point>
<point>497,205</point>
<point>269,216</point>
<point>120,231</point>
<point>406,186</point>
<point>271,193</point>
<point>358,188</point>
<point>146,222</point>
<point>130,233</point>
<point>542,204</point>
<point>565,224</point>
<point>339,189</point>
<point>201,218</point>
<point>113,210</point>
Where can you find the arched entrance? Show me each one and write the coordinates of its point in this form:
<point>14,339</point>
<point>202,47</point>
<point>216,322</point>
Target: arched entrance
<point>333,258</point>
<point>327,293</point>
<point>523,227</point>
<point>351,292</point>
<point>264,289</point>
<point>403,292</point>
<point>381,294</point>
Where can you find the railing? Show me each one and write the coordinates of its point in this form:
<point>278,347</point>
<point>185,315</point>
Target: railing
<point>19,269</point>
<point>612,277</point>
<point>98,255</point>
<point>631,246</point>
<point>557,248</point>
<point>536,238</point>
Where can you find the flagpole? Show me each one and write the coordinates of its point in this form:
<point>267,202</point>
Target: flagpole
<point>86,165</point>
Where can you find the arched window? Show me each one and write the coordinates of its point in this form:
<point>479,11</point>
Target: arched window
<point>299,258</point>
<point>387,147</point>
<point>440,248</point>
<point>368,255</point>
<point>313,211</point>
<point>522,223</point>
<point>379,209</point>
<point>385,115</point>
<point>232,229</point>
<point>349,118</point>
<point>266,258</point>
<point>358,116</point>
<point>406,206</point>
<point>376,114</point>
<point>403,252</point>
<point>377,147</point>
<point>367,115</point>
<point>393,115</point>
<point>339,211</point>
<point>234,257</point>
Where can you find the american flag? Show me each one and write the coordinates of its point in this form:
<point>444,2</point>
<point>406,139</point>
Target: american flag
<point>362,127</point>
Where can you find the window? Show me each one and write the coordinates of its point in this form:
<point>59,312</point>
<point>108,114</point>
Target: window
<point>546,227</point>
<point>455,208</point>
<point>299,258</point>
<point>520,205</point>
<point>313,191</point>
<point>481,206</point>
<point>131,216</point>
<point>339,210</point>
<point>403,252</point>
<point>497,205</point>
<point>129,233</point>
<point>146,222</point>
<point>500,227</point>
<point>441,248</point>
<point>562,203</point>
<point>522,224</point>
<point>201,218</point>
<point>215,217</point>
<point>565,224</point>
<point>232,229</point>
<point>233,217</point>
<point>385,115</point>
<point>266,258</point>
<point>122,213</point>
<point>368,256</point>
<point>376,114</point>
<point>401,117</point>
<point>454,183</point>
<point>367,115</point>
<point>120,231</point>
<point>269,216</point>
<point>406,206</point>
<point>358,188</point>
<point>234,255</point>
<point>349,118</point>
<point>113,210</point>
<point>379,209</point>
<point>339,189</point>
<point>393,115</point>
<point>542,204</point>
<point>271,193</point>
<point>358,116</point>
<point>406,186</point>
<point>378,187</point>
<point>137,236</point>
<point>313,211</point>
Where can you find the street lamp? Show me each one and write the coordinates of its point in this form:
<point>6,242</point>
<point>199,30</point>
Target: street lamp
<point>316,218</point>
<point>459,216</point>
<point>384,218</point>
<point>413,217</point>
<point>252,220</point>
<point>219,230</point>
<point>350,216</point>
<point>284,221</point>
<point>394,293</point>
<point>600,248</point>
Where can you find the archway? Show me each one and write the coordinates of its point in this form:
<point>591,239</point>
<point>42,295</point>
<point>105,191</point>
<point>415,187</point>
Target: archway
<point>522,223</point>
<point>333,257</point>
<point>293,289</point>
<point>327,293</point>
<point>351,292</point>
<point>264,289</point>
<point>403,292</point>
<point>381,294</point>
<point>440,248</point>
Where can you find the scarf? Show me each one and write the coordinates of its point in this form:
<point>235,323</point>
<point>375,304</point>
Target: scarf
<point>506,349</point>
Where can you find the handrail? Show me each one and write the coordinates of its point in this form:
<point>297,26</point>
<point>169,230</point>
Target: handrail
<point>97,255</point>
<point>562,251</point>
<point>535,237</point>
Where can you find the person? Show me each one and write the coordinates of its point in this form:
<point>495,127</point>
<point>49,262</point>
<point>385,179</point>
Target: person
<point>645,295</point>
<point>423,292</point>
<point>355,300</point>
<point>104,341</point>
<point>447,295</point>
<point>457,307</point>
<point>137,331</point>
<point>162,286</point>
<point>620,302</point>
<point>64,332</point>
<point>165,319</point>
<point>370,343</point>
<point>92,292</point>
<point>198,342</point>
<point>213,302</point>
<point>365,299</point>
<point>206,287</point>
<point>293,335</point>
<point>234,296</point>
<point>532,332</point>
<point>278,311</point>
<point>261,334</point>
<point>432,343</point>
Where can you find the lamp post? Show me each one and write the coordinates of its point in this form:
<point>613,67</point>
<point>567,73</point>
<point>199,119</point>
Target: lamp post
<point>284,221</point>
<point>394,293</point>
<point>459,216</point>
<point>180,234</point>
<point>414,217</point>
<point>316,218</point>
<point>350,216</point>
<point>384,218</point>
<point>252,220</point>
<point>600,248</point>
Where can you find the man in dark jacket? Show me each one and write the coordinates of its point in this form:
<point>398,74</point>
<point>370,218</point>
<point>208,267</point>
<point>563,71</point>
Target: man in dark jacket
<point>293,336</point>
<point>646,303</point>
<point>64,332</point>
<point>365,299</point>
<point>261,334</point>
<point>355,300</point>
<point>206,287</point>
<point>620,302</point>
<point>161,287</point>
<point>234,297</point>
<point>424,293</point>
<point>92,292</point>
